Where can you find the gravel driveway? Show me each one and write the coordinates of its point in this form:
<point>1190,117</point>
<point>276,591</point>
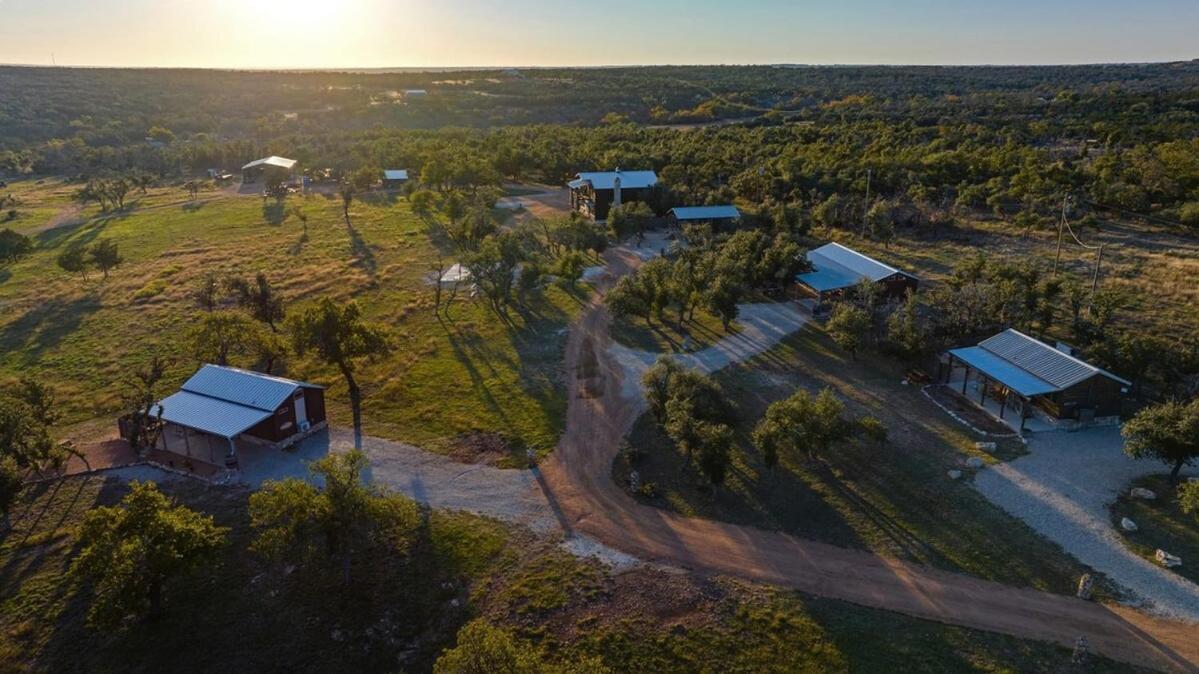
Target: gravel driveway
<point>1063,489</point>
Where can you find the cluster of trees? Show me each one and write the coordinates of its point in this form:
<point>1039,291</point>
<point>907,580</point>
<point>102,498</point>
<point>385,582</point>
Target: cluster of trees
<point>14,246</point>
<point>78,257</point>
<point>111,192</point>
<point>28,409</point>
<point>695,413</point>
<point>715,272</point>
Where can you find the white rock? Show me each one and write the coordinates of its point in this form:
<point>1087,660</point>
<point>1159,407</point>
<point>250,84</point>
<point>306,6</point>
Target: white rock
<point>1166,559</point>
<point>903,382</point>
<point>1128,525</point>
<point>989,447</point>
<point>954,474</point>
<point>975,462</point>
<point>1142,493</point>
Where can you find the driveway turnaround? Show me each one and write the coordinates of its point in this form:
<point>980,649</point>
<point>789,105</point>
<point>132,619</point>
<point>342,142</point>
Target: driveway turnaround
<point>1063,489</point>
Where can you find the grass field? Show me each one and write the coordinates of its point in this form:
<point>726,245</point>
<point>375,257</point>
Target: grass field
<point>471,373</point>
<point>896,499</point>
<point>245,615</point>
<point>1160,524</point>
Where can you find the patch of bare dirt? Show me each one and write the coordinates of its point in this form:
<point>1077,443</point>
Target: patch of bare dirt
<point>489,449</point>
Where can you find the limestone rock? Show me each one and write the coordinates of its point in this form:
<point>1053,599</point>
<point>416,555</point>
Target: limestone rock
<point>975,462</point>
<point>1128,525</point>
<point>1166,559</point>
<point>1142,493</point>
<point>634,481</point>
<point>1086,586</point>
<point>988,447</point>
<point>955,474</point>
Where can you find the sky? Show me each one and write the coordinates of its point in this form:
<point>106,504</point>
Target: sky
<point>450,33</point>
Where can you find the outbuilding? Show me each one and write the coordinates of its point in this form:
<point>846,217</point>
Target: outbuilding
<point>1022,374</point>
<point>594,193</point>
<point>273,170</point>
<point>394,178</point>
<point>720,218</point>
<point>837,268</point>
<point>220,407</point>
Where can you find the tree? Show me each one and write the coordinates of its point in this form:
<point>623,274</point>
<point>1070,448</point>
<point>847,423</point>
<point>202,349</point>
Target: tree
<point>570,266</point>
<point>24,439</point>
<point>73,259</point>
<point>722,298</point>
<point>347,192</point>
<point>802,422</point>
<point>10,485</point>
<point>715,449</point>
<point>847,325</point>
<point>39,398</point>
<point>907,334</point>
<point>630,297</point>
<point>105,256</point>
<point>631,219</point>
<point>259,298</point>
<point>141,396</point>
<point>1168,432</point>
<point>1188,498</point>
<point>423,201</point>
<point>493,266</point>
<point>339,336</point>
<point>14,246</point>
<point>656,383</point>
<point>224,337</point>
<point>132,551</point>
<point>296,521</point>
<point>874,429</point>
<point>484,649</point>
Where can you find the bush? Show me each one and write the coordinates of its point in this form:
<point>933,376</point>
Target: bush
<point>1189,214</point>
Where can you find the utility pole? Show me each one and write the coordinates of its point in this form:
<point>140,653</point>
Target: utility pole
<point>866,204</point>
<point>1061,226</point>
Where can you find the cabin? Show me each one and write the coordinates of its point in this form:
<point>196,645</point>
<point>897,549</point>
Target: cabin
<point>1025,377</point>
<point>394,178</point>
<point>271,170</point>
<point>593,194</point>
<point>837,268</point>
<point>719,218</point>
<point>220,407</point>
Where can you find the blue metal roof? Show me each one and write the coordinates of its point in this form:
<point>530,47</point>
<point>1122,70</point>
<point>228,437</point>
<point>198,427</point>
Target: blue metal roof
<point>728,212</point>
<point>217,417</point>
<point>252,389</point>
<point>629,180</point>
<point>826,278</point>
<point>395,174</point>
<point>1004,372</point>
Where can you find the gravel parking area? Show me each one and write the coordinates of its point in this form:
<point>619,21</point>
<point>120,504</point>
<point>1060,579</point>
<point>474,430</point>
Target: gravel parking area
<point>1063,489</point>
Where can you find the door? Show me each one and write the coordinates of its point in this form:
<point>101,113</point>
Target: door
<point>301,411</point>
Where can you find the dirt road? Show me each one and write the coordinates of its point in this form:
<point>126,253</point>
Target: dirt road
<point>579,487</point>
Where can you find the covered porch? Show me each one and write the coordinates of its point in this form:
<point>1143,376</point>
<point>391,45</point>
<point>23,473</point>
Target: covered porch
<point>1009,396</point>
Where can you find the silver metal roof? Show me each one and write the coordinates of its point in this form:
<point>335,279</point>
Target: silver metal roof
<point>279,162</point>
<point>629,180</point>
<point>395,174</point>
<point>1042,360</point>
<point>252,389</point>
<point>210,415</point>
<point>728,212</point>
<point>835,267</point>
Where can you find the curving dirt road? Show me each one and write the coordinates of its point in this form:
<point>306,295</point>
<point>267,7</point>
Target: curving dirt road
<point>578,484</point>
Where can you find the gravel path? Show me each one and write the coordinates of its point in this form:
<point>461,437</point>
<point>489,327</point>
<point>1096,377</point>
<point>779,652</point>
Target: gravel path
<point>1063,489</point>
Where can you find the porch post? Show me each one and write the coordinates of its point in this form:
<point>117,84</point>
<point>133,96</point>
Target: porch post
<point>982,391</point>
<point>965,378</point>
<point>1002,405</point>
<point>1023,412</point>
<point>232,449</point>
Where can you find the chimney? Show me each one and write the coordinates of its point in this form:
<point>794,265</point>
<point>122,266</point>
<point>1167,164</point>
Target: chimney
<point>616,189</point>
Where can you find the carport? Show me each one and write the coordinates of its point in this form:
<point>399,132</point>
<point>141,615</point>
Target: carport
<point>204,428</point>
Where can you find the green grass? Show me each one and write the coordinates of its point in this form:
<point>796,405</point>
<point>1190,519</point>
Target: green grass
<point>1161,524</point>
<point>895,499</point>
<point>698,333</point>
<point>470,373</point>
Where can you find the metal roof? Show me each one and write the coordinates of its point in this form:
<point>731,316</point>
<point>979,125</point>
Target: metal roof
<point>210,415</point>
<point>1008,374</point>
<point>1042,360</point>
<point>835,267</point>
<point>395,174</point>
<point>728,212</point>
<point>631,180</point>
<point>278,162</point>
<point>252,389</point>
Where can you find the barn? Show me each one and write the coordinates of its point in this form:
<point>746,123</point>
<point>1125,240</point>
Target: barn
<point>721,218</point>
<point>394,178</point>
<point>593,194</point>
<point>837,268</point>
<point>272,170</point>
<point>1024,376</point>
<point>220,407</point>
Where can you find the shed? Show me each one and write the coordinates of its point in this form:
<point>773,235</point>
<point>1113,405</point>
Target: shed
<point>837,268</point>
<point>220,405</point>
<point>393,178</point>
<point>275,169</point>
<point>1022,371</point>
<point>719,217</point>
<point>594,193</point>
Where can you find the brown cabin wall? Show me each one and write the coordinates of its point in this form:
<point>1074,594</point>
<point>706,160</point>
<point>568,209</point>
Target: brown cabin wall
<point>1098,393</point>
<point>282,424</point>
<point>898,286</point>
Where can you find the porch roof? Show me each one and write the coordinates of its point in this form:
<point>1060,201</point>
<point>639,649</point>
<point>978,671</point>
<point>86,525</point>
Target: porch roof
<point>1004,372</point>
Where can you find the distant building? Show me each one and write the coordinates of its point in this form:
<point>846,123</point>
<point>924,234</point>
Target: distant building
<point>836,268</point>
<point>719,217</point>
<point>394,178</point>
<point>594,193</point>
<point>220,406</point>
<point>415,93</point>
<point>1022,373</point>
<point>272,170</point>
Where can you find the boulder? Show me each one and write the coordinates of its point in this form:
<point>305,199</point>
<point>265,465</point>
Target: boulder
<point>1142,493</point>
<point>1166,559</point>
<point>1128,525</point>
<point>1086,585</point>
<point>988,447</point>
<point>975,462</point>
<point>955,474</point>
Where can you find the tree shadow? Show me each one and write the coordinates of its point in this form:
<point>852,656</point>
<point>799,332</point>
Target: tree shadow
<point>363,252</point>
<point>274,213</point>
<point>45,326</point>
